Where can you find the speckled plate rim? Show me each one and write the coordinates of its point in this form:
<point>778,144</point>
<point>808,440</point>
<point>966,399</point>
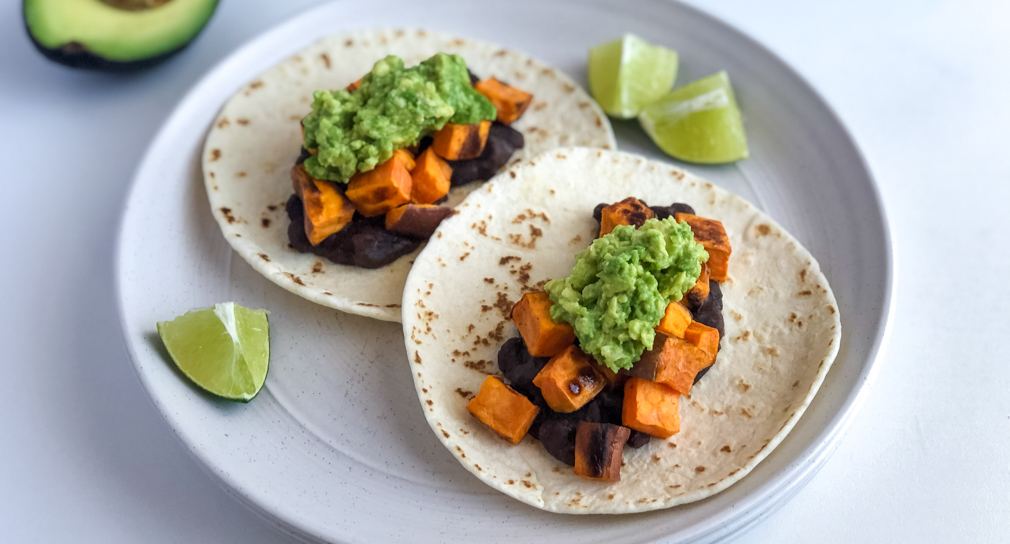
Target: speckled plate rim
<point>731,523</point>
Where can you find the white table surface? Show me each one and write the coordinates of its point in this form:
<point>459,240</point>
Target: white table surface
<point>923,85</point>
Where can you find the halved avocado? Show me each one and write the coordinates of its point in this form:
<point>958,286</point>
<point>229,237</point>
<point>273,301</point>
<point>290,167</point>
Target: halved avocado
<point>114,35</point>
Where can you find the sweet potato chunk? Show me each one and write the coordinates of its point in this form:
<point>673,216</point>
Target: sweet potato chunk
<point>703,337</point>
<point>598,450</point>
<point>405,157</point>
<point>543,336</point>
<point>675,321</point>
<point>651,407</point>
<point>458,142</point>
<point>431,176</point>
<point>568,381</point>
<point>419,220</point>
<point>672,361</point>
<point>629,211</point>
<point>508,101</point>
<point>697,295</point>
<point>381,189</point>
<point>326,209</point>
<point>502,408</point>
<point>614,379</point>
<point>711,234</point>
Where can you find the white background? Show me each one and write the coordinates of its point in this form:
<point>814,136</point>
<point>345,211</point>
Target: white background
<point>924,86</point>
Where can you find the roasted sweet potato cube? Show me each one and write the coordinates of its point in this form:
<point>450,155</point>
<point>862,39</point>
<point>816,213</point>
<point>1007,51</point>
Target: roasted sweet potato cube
<point>405,157</point>
<point>543,336</point>
<point>697,295</point>
<point>432,177</point>
<point>599,448</point>
<point>381,189</point>
<point>502,408</point>
<point>703,337</point>
<point>675,321</point>
<point>651,407</point>
<point>568,381</point>
<point>354,86</point>
<point>672,361</point>
<point>614,379</point>
<point>458,142</point>
<point>711,234</point>
<point>629,211</point>
<point>419,220</point>
<point>326,209</point>
<point>508,101</point>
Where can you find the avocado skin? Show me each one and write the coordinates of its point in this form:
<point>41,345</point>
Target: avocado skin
<point>76,55</point>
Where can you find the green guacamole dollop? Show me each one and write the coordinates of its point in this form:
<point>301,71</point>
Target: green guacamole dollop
<point>393,108</point>
<point>620,287</point>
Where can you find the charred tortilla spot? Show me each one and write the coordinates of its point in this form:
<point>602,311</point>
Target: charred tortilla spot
<point>215,154</point>
<point>226,212</point>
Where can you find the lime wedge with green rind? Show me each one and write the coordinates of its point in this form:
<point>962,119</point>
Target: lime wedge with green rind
<point>224,349</point>
<point>629,73</point>
<point>699,122</point>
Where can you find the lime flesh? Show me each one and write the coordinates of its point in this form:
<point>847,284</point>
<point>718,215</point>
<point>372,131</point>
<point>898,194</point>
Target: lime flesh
<point>627,74</point>
<point>224,349</point>
<point>699,122</point>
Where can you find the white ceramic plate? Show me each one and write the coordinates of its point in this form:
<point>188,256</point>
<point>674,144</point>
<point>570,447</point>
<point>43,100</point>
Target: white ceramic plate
<point>336,448</point>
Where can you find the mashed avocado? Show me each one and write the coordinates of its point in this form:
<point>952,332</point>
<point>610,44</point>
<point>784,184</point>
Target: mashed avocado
<point>393,108</point>
<point>620,287</point>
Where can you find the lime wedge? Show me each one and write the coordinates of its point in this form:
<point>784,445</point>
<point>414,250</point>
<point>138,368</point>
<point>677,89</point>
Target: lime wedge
<point>224,349</point>
<point>627,74</point>
<point>699,122</point>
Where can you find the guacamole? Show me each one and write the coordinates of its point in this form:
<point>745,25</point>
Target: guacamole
<point>392,109</point>
<point>620,287</point>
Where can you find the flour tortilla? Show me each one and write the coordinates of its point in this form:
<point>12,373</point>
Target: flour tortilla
<point>524,227</point>
<point>256,139</point>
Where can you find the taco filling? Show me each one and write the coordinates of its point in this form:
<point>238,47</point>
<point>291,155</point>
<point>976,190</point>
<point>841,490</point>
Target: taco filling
<point>605,354</point>
<point>379,157</point>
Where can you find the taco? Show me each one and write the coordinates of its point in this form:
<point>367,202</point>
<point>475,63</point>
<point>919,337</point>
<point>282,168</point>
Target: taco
<point>259,136</point>
<point>764,334</point>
